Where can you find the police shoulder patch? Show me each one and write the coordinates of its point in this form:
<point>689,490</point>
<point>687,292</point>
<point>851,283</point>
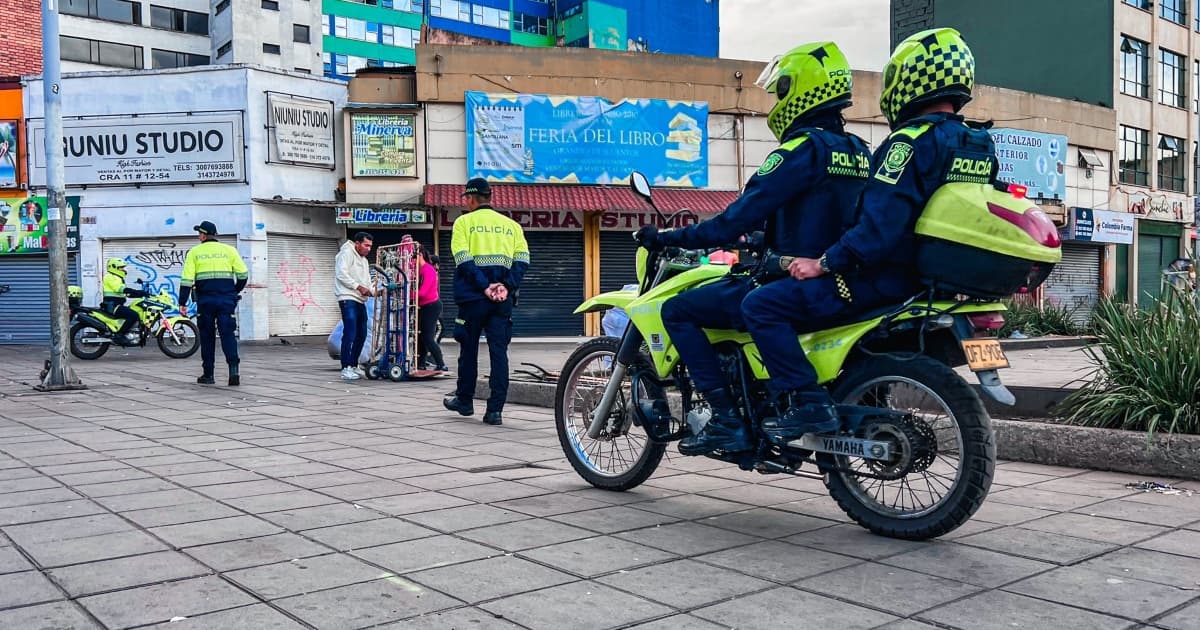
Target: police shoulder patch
<point>770,164</point>
<point>894,162</point>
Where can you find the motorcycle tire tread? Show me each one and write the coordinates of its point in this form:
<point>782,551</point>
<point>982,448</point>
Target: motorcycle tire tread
<point>979,446</point>
<point>653,453</point>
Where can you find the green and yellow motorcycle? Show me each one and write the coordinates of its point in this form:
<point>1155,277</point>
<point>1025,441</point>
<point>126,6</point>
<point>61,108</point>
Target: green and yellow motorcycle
<point>93,329</point>
<point>915,455</point>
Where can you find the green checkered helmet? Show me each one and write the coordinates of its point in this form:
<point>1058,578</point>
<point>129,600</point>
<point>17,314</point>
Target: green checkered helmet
<point>931,65</point>
<point>808,78</point>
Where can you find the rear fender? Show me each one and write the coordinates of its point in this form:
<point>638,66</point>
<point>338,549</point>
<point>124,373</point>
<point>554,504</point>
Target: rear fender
<point>605,301</point>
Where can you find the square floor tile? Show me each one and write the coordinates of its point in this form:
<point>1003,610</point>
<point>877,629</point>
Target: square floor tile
<point>684,583</point>
<point>1103,592</point>
<point>997,610</point>
<point>305,575</point>
<point>578,606</point>
<point>617,518</point>
<point>257,617</point>
<point>368,534</point>
<point>887,588</point>
<point>525,534</point>
<point>111,575</point>
<point>596,556</point>
<point>1097,528</point>
<point>55,615</point>
<point>299,519</point>
<point>766,523</point>
<point>425,553</point>
<point>458,619</point>
<point>465,517</point>
<point>219,530</point>
<point>25,589</point>
<point>239,554</point>
<point>1150,566</point>
<point>92,548</point>
<point>366,604</point>
<point>1038,545</point>
<point>968,564</point>
<point>852,540</point>
<point>159,603</point>
<point>781,607</point>
<point>688,539</point>
<point>491,578</point>
<point>778,561</point>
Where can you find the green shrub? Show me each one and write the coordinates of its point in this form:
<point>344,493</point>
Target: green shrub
<point>1147,369</point>
<point>1052,319</point>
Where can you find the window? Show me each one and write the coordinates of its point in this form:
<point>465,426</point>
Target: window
<point>225,49</point>
<point>531,24</point>
<point>108,10</point>
<point>221,6</point>
<point>1135,67</point>
<point>271,49</point>
<point>270,5</point>
<point>179,20</point>
<point>339,26</point>
<point>1172,170</point>
<point>325,24</point>
<point>100,53</point>
<point>400,36</point>
<point>412,6</point>
<point>302,70</point>
<point>451,9</point>
<point>1196,85</point>
<point>1140,4</point>
<point>1173,10</point>
<point>387,35</point>
<point>1172,78</point>
<point>1195,167</point>
<point>1135,165</point>
<point>354,64</point>
<point>487,16</point>
<point>356,29</point>
<point>300,33</point>
<point>172,59</point>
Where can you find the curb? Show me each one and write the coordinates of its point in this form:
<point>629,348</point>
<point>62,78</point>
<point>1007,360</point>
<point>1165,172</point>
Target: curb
<point>1037,343</point>
<point>1033,441</point>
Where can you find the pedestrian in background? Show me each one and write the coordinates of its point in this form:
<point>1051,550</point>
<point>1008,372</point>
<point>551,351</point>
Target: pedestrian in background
<point>490,258</point>
<point>429,311</point>
<point>352,285</point>
<point>214,274</point>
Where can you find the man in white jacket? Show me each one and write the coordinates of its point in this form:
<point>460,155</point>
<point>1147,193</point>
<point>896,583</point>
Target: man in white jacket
<point>352,285</point>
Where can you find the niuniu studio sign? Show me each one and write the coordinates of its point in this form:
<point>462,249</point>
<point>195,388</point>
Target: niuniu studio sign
<point>302,130</point>
<point>200,148</point>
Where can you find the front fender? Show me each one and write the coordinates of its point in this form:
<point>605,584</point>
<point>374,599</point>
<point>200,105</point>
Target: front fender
<point>605,301</point>
<point>176,319</point>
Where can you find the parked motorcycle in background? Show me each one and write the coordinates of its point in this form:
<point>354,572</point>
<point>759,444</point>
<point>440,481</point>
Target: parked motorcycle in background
<point>93,329</point>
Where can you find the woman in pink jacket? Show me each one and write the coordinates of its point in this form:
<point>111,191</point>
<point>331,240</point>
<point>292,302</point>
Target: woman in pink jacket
<point>429,310</point>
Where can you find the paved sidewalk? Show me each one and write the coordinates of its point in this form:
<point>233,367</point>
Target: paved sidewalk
<point>300,501</point>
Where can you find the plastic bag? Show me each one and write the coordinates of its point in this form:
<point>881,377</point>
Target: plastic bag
<point>615,320</point>
<point>334,343</point>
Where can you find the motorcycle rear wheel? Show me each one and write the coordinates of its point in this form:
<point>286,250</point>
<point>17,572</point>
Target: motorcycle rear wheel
<point>186,346</point>
<point>87,351</point>
<point>926,503</point>
<point>615,462</point>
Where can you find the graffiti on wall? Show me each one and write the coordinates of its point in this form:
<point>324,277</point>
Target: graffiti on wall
<point>158,269</point>
<point>296,278</point>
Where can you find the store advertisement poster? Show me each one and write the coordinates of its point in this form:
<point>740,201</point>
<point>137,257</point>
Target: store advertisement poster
<point>539,139</point>
<point>303,129</point>
<point>384,145</point>
<point>24,228</point>
<point>1034,160</point>
<point>9,159</point>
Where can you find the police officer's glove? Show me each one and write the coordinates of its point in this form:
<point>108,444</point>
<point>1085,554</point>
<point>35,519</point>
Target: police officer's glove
<point>649,238</point>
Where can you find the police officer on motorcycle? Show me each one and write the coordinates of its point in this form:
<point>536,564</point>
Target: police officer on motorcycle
<point>802,197</point>
<point>928,79</point>
<point>114,300</point>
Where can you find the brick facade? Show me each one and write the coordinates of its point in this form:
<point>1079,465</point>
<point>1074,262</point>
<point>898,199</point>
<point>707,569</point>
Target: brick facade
<point>908,17</point>
<point>22,52</point>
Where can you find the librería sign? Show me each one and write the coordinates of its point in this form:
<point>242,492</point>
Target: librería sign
<point>384,216</point>
<point>151,149</point>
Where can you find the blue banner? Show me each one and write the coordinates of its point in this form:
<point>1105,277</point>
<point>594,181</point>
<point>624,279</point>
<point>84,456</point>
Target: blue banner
<point>1034,160</point>
<point>539,139</point>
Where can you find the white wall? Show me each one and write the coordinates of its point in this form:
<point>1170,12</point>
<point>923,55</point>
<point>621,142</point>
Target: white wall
<point>172,210</point>
<point>252,26</point>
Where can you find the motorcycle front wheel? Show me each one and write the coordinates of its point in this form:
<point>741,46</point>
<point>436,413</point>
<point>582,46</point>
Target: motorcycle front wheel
<point>624,456</point>
<point>945,452</point>
<point>183,343</point>
<point>84,342</point>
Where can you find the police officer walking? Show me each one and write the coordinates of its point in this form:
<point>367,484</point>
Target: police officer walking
<point>490,257</point>
<point>803,197</point>
<point>214,275</point>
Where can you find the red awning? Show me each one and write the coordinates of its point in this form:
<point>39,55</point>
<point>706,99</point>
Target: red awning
<point>595,198</point>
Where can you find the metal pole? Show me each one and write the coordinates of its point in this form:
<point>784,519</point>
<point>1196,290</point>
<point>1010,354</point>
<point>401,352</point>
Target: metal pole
<point>58,374</point>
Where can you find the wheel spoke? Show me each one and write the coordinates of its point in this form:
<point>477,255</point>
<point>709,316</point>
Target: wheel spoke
<point>617,450</point>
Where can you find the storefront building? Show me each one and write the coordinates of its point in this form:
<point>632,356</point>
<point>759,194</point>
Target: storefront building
<point>253,150</point>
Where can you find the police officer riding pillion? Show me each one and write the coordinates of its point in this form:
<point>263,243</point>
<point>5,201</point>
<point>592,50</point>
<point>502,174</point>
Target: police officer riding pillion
<point>928,79</point>
<point>802,197</point>
<point>214,275</point>
<point>114,300</point>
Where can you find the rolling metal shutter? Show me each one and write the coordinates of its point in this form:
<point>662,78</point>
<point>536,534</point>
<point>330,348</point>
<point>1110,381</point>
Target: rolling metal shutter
<point>551,290</point>
<point>618,260</point>
<point>300,281</point>
<point>156,261</point>
<point>1154,253</point>
<point>25,309</point>
<point>1075,282</point>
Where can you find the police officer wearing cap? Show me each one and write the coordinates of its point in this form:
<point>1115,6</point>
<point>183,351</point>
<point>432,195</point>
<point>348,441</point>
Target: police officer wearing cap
<point>490,258</point>
<point>213,274</point>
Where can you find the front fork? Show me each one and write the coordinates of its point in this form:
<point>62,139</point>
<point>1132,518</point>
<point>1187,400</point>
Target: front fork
<point>631,344</point>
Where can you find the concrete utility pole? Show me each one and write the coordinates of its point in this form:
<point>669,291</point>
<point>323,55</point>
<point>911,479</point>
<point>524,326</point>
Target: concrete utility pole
<point>59,374</point>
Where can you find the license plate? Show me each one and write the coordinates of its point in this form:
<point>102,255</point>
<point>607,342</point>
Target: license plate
<point>984,354</point>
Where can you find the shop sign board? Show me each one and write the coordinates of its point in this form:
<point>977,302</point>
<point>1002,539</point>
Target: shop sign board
<point>572,220</point>
<point>382,216</point>
<point>383,145</point>
<point>9,157</point>
<point>1101,226</point>
<point>1034,160</point>
<point>540,139</point>
<point>179,148</point>
<point>303,129</point>
<point>24,227</point>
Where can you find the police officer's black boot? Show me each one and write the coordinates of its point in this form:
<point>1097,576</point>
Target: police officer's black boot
<point>810,410</point>
<point>234,378</point>
<point>725,431</point>
<point>206,379</point>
